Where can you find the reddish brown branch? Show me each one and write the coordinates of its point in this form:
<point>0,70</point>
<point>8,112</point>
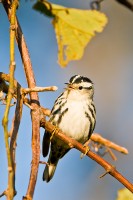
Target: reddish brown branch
<point>97,138</point>
<point>108,167</point>
<point>72,143</point>
<point>35,114</point>
<point>34,103</point>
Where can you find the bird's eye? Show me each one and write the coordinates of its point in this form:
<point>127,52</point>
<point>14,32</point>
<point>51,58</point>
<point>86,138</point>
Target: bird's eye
<point>80,87</point>
<point>90,87</point>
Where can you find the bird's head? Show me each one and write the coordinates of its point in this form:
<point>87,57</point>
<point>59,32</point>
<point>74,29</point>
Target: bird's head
<point>80,87</point>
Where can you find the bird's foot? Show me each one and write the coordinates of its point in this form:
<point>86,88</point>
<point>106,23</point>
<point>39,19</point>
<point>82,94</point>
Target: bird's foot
<point>53,132</point>
<point>87,149</point>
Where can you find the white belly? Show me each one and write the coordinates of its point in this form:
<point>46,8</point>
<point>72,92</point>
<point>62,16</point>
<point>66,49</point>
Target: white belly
<point>74,123</point>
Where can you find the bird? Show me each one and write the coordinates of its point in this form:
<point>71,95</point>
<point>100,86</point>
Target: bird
<point>74,114</point>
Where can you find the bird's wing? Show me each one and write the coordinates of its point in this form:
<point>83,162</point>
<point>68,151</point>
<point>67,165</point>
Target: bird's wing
<point>45,144</point>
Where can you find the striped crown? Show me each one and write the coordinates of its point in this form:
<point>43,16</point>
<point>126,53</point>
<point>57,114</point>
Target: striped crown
<point>79,79</point>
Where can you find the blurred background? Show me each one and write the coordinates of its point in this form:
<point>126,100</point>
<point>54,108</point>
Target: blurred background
<point>108,61</point>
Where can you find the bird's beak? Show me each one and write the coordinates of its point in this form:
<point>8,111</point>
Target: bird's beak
<point>69,86</point>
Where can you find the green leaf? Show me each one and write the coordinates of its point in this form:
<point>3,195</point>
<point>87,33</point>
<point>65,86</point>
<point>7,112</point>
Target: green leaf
<point>74,29</point>
<point>124,194</point>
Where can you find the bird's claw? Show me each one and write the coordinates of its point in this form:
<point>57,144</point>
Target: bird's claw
<point>87,149</point>
<point>53,132</point>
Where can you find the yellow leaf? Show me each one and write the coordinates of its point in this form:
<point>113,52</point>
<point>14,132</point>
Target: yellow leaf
<point>74,28</point>
<point>124,194</point>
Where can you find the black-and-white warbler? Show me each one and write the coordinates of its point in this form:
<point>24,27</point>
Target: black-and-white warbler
<point>74,113</point>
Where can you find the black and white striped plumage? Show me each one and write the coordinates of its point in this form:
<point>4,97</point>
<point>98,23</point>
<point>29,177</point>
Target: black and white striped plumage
<point>74,113</point>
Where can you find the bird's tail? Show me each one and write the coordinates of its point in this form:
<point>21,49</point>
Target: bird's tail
<point>52,163</point>
<point>49,172</point>
<point>50,167</point>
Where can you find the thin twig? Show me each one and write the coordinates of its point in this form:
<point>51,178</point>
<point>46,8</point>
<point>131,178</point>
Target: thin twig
<point>111,153</point>
<point>6,77</point>
<point>4,88</point>
<point>126,3</point>
<point>34,100</point>
<point>11,174</point>
<point>98,138</point>
<point>43,162</point>
<point>39,89</point>
<point>15,126</point>
<point>3,194</point>
<point>108,167</point>
<point>46,111</point>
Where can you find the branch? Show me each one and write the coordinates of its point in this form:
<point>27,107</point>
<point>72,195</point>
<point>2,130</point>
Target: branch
<point>34,103</point>
<point>35,112</point>
<point>10,192</point>
<point>95,137</point>
<point>15,126</point>
<point>39,89</point>
<point>98,138</point>
<point>74,144</point>
<point>96,4</point>
<point>126,3</point>
<point>4,88</point>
